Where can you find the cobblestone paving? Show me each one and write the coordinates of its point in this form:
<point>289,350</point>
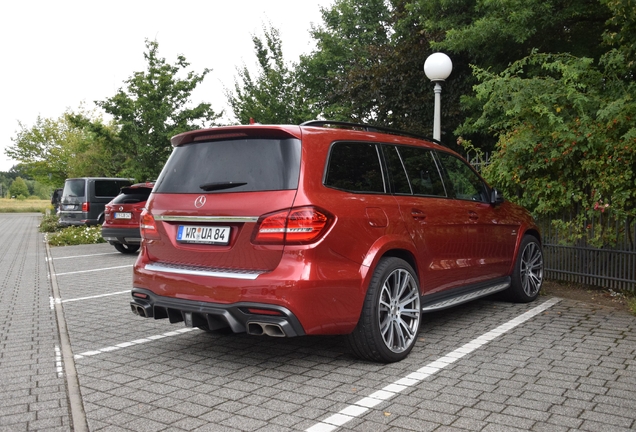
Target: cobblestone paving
<point>570,368</point>
<point>33,392</point>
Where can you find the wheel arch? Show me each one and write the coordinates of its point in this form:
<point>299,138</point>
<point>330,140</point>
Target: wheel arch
<point>531,230</point>
<point>390,247</point>
<point>405,255</point>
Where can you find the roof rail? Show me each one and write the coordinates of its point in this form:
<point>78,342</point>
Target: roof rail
<point>368,128</point>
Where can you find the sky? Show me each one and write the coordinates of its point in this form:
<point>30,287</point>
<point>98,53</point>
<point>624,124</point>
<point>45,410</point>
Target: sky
<point>57,54</point>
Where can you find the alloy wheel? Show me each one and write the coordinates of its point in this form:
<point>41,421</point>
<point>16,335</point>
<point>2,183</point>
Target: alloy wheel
<point>399,310</point>
<point>531,269</point>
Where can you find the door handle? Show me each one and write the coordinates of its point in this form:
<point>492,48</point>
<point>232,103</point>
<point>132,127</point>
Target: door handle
<point>418,215</point>
<point>472,215</point>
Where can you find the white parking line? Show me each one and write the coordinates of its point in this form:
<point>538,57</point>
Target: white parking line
<point>363,405</point>
<point>131,343</point>
<point>82,256</point>
<point>53,300</point>
<point>93,270</point>
<point>58,362</point>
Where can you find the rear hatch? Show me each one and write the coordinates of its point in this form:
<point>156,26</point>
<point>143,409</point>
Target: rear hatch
<point>213,192</point>
<point>124,210</point>
<point>73,195</point>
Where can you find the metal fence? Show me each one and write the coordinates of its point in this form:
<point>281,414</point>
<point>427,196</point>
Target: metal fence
<point>478,160</point>
<point>571,259</point>
<point>610,266</point>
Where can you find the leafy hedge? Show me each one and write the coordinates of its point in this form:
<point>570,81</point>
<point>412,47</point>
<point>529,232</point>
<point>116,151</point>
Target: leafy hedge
<point>58,235</point>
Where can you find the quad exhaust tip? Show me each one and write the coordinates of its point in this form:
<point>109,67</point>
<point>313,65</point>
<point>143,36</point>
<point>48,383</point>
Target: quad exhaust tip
<point>267,329</point>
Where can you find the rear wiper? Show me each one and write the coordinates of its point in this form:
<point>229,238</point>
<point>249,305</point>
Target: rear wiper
<point>220,185</point>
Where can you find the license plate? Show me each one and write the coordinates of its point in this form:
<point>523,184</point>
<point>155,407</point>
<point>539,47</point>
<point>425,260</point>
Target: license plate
<point>202,234</point>
<point>124,215</point>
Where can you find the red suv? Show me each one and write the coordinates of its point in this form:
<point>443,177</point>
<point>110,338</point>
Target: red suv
<point>326,228</point>
<point>121,217</point>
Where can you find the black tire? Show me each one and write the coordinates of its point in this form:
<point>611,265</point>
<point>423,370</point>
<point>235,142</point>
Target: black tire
<point>391,315</point>
<point>126,249</point>
<point>527,276</point>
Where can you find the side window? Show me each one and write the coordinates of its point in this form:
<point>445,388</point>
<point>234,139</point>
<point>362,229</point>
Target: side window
<point>422,171</point>
<point>397,176</point>
<point>354,167</point>
<point>108,188</point>
<point>462,181</point>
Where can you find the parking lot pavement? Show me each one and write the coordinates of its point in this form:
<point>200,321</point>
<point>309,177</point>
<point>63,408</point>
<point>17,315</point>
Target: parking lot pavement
<point>33,391</point>
<point>488,365</point>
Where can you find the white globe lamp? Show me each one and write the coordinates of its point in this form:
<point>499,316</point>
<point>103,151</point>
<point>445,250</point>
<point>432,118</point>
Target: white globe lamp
<point>437,67</point>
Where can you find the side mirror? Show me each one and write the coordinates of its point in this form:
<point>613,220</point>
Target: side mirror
<point>496,197</point>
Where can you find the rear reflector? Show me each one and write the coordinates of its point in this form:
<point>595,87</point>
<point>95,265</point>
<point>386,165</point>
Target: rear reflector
<point>140,295</point>
<point>263,311</point>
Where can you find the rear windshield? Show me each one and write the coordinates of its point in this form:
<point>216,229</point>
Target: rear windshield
<point>74,188</point>
<point>244,165</point>
<point>132,195</point>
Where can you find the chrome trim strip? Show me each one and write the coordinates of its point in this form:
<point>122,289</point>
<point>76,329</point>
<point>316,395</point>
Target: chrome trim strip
<point>465,298</point>
<point>240,219</point>
<point>203,271</point>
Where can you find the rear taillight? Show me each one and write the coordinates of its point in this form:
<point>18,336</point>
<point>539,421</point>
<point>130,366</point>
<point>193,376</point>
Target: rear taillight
<point>300,225</point>
<point>148,226</point>
<point>85,207</point>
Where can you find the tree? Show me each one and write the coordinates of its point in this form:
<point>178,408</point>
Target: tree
<point>566,138</point>
<point>101,154</point>
<point>53,150</point>
<point>274,95</point>
<point>154,107</point>
<point>351,31</point>
<point>19,188</point>
<point>493,34</point>
<point>44,149</point>
<point>368,67</point>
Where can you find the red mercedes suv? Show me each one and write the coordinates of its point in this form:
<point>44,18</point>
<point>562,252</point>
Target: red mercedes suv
<point>121,217</point>
<point>326,228</point>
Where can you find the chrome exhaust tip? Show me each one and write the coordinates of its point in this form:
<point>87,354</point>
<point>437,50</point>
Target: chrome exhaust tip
<point>266,329</point>
<point>273,330</point>
<point>141,310</point>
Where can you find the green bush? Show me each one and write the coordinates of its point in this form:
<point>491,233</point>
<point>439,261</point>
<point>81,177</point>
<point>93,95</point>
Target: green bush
<point>33,197</point>
<point>50,223</point>
<point>76,235</point>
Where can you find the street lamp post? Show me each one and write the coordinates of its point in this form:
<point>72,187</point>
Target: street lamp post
<point>438,67</point>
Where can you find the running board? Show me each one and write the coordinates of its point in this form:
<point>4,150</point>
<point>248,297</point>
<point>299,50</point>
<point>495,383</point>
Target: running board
<point>464,298</point>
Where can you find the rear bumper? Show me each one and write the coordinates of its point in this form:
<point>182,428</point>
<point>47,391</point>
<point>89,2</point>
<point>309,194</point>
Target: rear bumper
<point>253,318</point>
<point>323,299</point>
<point>122,235</point>
<point>76,218</point>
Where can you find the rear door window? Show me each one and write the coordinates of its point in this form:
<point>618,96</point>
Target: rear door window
<point>422,171</point>
<point>109,188</point>
<point>355,167</point>
<point>242,165</point>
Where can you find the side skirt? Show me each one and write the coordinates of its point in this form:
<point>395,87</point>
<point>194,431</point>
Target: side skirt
<point>435,302</point>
